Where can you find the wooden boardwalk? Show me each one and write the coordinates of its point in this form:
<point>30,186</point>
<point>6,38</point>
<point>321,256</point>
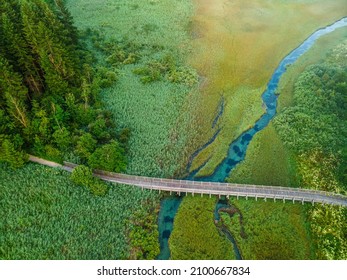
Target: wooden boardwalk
<point>183,187</point>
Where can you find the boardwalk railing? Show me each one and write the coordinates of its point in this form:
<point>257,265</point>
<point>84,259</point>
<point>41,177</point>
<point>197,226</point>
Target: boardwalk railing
<point>212,188</point>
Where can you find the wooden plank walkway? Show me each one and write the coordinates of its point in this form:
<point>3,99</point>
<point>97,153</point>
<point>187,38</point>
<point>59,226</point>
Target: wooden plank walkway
<point>212,188</point>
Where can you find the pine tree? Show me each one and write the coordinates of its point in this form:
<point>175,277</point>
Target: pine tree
<point>14,93</point>
<point>50,42</point>
<point>65,17</point>
<point>17,50</point>
<point>10,155</point>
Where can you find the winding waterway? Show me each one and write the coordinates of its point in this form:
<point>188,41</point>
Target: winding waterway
<point>237,149</point>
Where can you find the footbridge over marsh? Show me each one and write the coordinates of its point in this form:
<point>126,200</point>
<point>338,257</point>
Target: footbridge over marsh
<point>185,187</point>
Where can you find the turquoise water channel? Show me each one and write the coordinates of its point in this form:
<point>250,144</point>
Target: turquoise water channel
<point>237,149</point>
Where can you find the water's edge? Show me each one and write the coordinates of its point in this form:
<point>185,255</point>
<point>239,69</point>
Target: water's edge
<point>237,149</point>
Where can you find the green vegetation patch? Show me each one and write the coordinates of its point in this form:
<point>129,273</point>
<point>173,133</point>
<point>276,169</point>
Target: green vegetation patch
<point>195,236</point>
<point>328,223</point>
<point>83,176</point>
<point>317,119</point>
<point>49,217</point>
<point>329,228</point>
<point>272,231</point>
<point>143,233</point>
<point>267,162</point>
<point>146,22</point>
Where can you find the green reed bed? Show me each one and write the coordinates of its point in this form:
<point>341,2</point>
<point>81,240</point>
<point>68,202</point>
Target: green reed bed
<point>45,216</point>
<point>145,21</point>
<point>152,105</point>
<point>195,235</point>
<point>272,230</point>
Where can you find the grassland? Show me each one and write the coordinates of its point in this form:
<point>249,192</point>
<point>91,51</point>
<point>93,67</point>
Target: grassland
<point>237,46</point>
<point>46,216</point>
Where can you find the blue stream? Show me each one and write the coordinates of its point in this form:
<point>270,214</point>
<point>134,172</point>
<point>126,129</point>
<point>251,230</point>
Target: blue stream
<point>237,149</point>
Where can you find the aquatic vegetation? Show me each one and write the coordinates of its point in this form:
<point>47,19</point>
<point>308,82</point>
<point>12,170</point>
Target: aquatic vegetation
<point>49,217</point>
<point>237,46</point>
<point>277,231</point>
<point>157,106</point>
<point>267,162</point>
<point>315,163</point>
<point>195,235</point>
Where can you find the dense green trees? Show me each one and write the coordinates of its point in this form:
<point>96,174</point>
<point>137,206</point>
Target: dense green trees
<point>143,232</point>
<point>49,92</point>
<point>318,118</point>
<point>317,121</point>
<point>83,176</point>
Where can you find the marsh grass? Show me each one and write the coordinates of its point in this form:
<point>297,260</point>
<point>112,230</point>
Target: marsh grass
<point>241,110</point>
<point>279,231</point>
<point>144,21</point>
<point>267,162</point>
<point>151,110</point>
<point>46,216</point>
<point>237,46</point>
<point>195,235</point>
